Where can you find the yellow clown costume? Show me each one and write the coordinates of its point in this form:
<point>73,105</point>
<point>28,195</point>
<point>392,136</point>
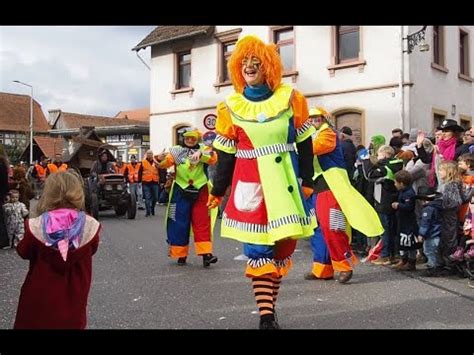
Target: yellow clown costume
<point>339,206</point>
<point>187,213</point>
<point>264,145</point>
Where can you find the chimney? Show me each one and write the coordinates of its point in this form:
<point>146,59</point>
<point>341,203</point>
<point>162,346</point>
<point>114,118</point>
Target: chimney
<point>53,116</point>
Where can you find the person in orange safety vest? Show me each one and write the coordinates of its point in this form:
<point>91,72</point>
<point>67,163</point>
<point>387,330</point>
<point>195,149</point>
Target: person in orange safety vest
<point>148,175</point>
<point>119,166</point>
<point>56,166</point>
<point>131,174</point>
<point>39,174</point>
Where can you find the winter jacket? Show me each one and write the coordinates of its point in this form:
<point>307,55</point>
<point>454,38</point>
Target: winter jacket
<point>349,151</point>
<point>406,211</point>
<point>55,292</point>
<point>452,200</point>
<point>462,149</point>
<point>381,174</point>
<point>365,187</point>
<point>430,223</point>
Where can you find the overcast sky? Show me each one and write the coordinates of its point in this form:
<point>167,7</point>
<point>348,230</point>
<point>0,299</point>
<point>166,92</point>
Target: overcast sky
<point>90,70</point>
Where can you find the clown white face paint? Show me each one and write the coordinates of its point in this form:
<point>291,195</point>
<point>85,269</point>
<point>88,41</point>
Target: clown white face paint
<point>251,71</point>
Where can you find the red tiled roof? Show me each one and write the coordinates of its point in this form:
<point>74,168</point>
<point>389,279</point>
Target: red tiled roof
<point>76,120</point>
<point>140,114</point>
<point>50,145</point>
<point>15,114</point>
<point>163,34</point>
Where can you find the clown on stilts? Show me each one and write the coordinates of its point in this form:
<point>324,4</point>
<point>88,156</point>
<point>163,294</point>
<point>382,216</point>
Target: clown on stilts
<point>339,206</point>
<point>264,145</point>
<point>187,210</point>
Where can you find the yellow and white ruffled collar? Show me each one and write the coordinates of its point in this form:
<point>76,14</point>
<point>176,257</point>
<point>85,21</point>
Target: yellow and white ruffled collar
<point>260,111</point>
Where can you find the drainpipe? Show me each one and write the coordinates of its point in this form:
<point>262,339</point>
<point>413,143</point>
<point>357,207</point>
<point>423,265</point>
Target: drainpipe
<point>141,59</point>
<point>400,85</point>
<point>409,124</point>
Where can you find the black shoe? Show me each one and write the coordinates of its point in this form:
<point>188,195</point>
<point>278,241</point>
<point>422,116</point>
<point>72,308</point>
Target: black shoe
<point>208,259</point>
<point>431,272</point>
<point>421,259</point>
<point>182,261</point>
<point>268,322</point>
<point>447,271</point>
<point>344,276</point>
<point>269,325</point>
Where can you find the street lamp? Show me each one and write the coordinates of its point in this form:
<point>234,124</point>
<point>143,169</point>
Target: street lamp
<point>417,38</point>
<point>31,118</point>
<point>414,39</point>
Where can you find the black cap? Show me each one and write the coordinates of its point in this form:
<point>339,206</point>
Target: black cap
<point>346,130</point>
<point>427,193</point>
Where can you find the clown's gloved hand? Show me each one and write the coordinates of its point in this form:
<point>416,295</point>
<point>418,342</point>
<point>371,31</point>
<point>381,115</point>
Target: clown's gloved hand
<point>213,201</point>
<point>307,192</point>
<point>363,154</point>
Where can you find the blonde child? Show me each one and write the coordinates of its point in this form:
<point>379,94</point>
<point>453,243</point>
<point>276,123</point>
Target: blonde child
<point>59,244</point>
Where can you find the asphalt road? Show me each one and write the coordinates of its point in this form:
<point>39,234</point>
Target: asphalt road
<point>136,286</point>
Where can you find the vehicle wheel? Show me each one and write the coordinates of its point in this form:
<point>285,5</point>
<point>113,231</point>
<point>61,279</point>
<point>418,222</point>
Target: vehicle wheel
<point>132,206</point>
<point>94,211</point>
<point>121,210</point>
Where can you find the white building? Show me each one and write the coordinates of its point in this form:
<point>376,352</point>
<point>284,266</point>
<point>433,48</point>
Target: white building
<point>353,71</point>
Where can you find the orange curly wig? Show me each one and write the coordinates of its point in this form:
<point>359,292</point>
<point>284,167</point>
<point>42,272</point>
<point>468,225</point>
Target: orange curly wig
<point>271,67</point>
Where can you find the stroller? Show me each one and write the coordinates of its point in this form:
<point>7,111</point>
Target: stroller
<point>466,266</point>
<point>463,257</point>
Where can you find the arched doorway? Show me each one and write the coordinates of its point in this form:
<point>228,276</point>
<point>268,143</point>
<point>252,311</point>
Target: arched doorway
<point>178,133</point>
<point>353,118</point>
